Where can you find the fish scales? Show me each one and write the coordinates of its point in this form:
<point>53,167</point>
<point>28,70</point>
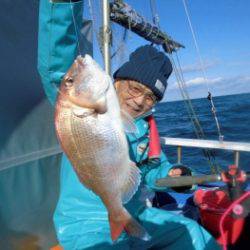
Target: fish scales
<point>90,165</point>
<point>95,141</point>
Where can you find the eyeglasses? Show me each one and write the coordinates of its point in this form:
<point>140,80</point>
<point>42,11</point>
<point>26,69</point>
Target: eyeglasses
<point>136,90</point>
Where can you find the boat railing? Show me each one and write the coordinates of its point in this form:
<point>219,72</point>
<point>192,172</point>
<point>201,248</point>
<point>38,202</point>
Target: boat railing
<point>236,147</point>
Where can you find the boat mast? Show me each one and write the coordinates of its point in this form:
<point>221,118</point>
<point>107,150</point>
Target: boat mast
<point>124,15</point>
<point>106,36</point>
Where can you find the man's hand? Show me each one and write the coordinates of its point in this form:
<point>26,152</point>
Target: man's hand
<point>176,172</point>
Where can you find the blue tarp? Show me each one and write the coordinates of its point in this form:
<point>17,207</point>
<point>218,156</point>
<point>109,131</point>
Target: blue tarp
<point>29,151</point>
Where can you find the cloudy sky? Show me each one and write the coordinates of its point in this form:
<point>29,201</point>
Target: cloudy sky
<point>222,29</point>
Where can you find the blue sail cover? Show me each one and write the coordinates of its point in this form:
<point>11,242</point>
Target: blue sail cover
<point>29,152</point>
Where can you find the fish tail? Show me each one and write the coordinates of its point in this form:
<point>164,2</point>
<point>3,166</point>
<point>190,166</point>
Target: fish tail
<point>125,222</point>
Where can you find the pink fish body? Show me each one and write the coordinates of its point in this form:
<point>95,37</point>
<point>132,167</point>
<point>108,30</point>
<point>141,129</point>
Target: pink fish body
<point>90,130</point>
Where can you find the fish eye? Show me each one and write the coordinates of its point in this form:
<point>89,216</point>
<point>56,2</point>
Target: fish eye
<point>69,81</point>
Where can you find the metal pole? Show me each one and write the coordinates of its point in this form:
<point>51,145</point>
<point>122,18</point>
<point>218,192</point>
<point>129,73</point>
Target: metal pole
<point>179,154</point>
<point>106,36</point>
<point>236,158</point>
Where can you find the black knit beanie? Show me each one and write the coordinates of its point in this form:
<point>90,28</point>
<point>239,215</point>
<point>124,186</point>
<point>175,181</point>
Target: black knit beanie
<point>148,66</point>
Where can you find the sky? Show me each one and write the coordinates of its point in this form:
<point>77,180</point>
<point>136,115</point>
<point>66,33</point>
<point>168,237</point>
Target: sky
<point>222,30</point>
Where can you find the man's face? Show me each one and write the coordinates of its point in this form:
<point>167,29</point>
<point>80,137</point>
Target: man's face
<point>134,98</point>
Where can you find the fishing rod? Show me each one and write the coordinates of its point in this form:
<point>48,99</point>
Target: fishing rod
<point>231,177</point>
<point>181,181</point>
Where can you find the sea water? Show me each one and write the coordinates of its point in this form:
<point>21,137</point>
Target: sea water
<point>233,114</point>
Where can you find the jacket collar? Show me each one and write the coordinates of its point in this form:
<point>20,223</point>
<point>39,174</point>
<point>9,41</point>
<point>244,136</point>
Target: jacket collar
<point>145,115</point>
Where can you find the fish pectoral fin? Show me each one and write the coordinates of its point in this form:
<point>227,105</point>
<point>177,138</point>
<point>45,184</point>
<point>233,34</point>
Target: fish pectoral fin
<point>131,184</point>
<point>81,112</point>
<point>128,123</point>
<point>101,105</point>
<point>124,221</point>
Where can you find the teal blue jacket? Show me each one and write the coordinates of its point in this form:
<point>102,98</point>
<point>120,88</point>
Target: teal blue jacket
<point>80,217</point>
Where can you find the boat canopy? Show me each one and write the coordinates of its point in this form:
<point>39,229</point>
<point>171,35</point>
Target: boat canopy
<point>29,151</point>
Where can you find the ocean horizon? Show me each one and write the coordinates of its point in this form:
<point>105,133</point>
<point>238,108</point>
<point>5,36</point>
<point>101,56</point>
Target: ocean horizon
<point>233,113</point>
<point>197,98</point>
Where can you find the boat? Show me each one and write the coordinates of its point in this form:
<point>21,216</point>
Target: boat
<point>222,209</point>
<point>219,203</point>
<point>28,186</point>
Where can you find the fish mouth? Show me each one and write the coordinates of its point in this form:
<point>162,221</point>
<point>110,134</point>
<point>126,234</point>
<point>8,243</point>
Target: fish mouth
<point>80,59</point>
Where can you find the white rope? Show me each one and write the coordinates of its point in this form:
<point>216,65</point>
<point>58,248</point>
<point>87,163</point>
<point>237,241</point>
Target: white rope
<point>191,112</point>
<point>95,24</point>
<point>180,79</point>
<point>76,28</point>
<point>192,115</point>
<point>202,69</point>
<point>29,157</point>
<point>185,96</point>
<point>155,16</point>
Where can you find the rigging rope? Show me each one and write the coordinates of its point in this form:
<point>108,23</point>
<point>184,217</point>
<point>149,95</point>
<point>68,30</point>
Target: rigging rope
<point>192,115</point>
<point>98,34</point>
<point>203,71</point>
<point>155,16</point>
<point>76,28</point>
<point>183,89</point>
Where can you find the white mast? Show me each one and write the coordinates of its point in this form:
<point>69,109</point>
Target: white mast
<point>106,36</point>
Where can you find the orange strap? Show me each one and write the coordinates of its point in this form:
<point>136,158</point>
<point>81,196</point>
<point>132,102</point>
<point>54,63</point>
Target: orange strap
<point>57,247</point>
<point>154,139</point>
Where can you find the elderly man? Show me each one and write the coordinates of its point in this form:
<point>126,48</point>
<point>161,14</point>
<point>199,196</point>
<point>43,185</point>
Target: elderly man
<point>80,218</point>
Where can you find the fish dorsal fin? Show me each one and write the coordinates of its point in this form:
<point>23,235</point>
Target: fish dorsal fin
<point>131,184</point>
<point>128,123</point>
